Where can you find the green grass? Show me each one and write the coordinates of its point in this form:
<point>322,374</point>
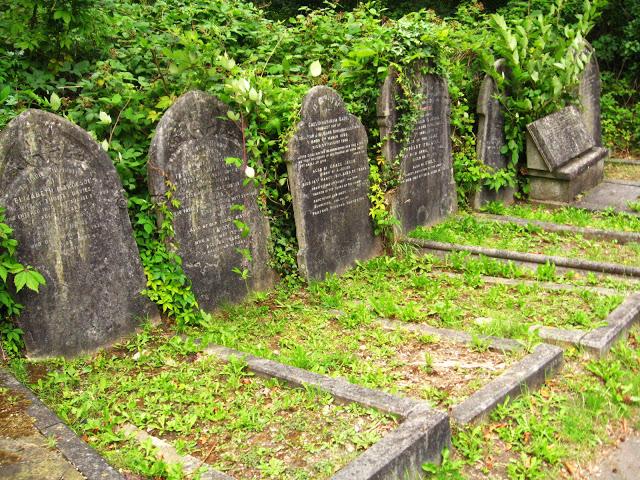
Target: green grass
<point>622,171</point>
<point>551,432</point>
<point>219,412</point>
<point>465,229</point>
<point>607,220</point>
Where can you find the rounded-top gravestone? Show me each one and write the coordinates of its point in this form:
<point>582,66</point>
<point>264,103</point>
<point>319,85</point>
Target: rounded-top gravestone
<point>491,138</point>
<point>218,226</point>
<point>64,200</point>
<point>426,193</point>
<point>589,92</point>
<point>329,179</point>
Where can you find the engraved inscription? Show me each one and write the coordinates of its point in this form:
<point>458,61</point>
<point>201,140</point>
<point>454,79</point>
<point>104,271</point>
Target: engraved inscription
<point>334,176</point>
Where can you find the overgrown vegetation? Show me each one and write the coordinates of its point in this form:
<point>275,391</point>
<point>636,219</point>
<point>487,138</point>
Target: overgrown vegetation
<point>114,67</point>
<point>14,277</point>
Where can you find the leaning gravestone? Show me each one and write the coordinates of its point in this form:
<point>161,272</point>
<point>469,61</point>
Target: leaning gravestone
<point>427,192</point>
<point>192,141</point>
<point>491,139</point>
<point>65,203</point>
<point>589,92</point>
<point>329,178</point>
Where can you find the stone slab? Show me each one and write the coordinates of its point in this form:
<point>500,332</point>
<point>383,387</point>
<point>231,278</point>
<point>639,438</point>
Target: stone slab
<point>84,458</point>
<point>491,139</point>
<point>192,140</point>
<point>64,200</point>
<point>420,438</point>
<point>191,465</point>
<point>426,192</point>
<point>560,137</point>
<point>528,373</point>
<point>586,232</point>
<point>589,92</point>
<point>494,343</point>
<point>610,195</point>
<point>622,464</point>
<point>329,179</point>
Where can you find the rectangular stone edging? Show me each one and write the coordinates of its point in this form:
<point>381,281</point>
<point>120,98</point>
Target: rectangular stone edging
<point>588,208</point>
<point>600,340</point>
<point>83,457</point>
<point>623,161</point>
<point>576,264</point>
<point>592,233</point>
<point>457,336</point>
<point>528,373</point>
<point>190,465</point>
<point>544,285</point>
<point>399,455</point>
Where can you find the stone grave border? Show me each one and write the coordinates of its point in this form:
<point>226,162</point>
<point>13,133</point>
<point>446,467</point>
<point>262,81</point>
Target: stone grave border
<point>82,456</point>
<point>420,437</point>
<point>596,342</point>
<point>591,233</point>
<point>526,374</point>
<point>588,208</point>
<point>623,161</point>
<point>532,258</point>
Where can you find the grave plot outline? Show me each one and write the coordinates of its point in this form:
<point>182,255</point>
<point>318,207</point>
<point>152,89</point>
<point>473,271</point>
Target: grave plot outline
<point>188,151</point>
<point>68,210</point>
<point>328,171</point>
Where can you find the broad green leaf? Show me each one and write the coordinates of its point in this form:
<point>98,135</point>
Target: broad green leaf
<point>20,280</point>
<point>105,118</point>
<point>315,69</point>
<point>4,93</point>
<point>54,102</point>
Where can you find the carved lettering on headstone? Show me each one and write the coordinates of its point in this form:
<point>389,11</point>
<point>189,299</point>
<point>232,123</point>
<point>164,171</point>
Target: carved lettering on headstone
<point>192,141</point>
<point>560,137</point>
<point>64,200</point>
<point>426,193</point>
<point>329,178</point>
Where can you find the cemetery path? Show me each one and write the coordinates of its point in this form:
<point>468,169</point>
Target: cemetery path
<point>26,454</point>
<point>623,463</point>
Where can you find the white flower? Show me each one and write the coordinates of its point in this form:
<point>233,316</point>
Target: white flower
<point>249,172</point>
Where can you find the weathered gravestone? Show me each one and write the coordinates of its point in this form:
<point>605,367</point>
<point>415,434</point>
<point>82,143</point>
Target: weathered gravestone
<point>329,179</point>
<point>589,92</point>
<point>426,192</point>
<point>192,141</point>
<point>69,214</point>
<point>563,159</point>
<point>491,139</point>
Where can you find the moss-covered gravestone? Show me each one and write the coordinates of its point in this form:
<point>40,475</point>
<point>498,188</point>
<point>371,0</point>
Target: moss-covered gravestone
<point>65,203</point>
<point>589,92</point>
<point>329,178</point>
<point>426,192</point>
<point>491,139</point>
<point>219,229</point>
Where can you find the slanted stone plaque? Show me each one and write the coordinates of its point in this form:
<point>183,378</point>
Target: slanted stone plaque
<point>491,139</point>
<point>427,192</point>
<point>329,180</point>
<point>560,137</point>
<point>64,200</point>
<point>589,92</point>
<point>192,141</point>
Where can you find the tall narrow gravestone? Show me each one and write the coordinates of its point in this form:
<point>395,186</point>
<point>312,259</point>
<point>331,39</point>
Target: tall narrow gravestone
<point>69,214</point>
<point>491,139</point>
<point>329,179</point>
<point>427,192</point>
<point>589,92</point>
<point>188,152</point>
